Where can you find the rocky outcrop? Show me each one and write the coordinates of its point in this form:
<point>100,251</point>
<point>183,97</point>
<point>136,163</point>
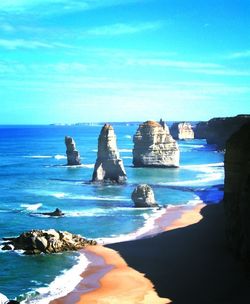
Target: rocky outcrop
<point>237,193</point>
<point>154,147</point>
<point>182,131</point>
<point>218,130</point>
<point>108,167</point>
<point>143,196</point>
<point>46,241</point>
<point>56,212</point>
<point>73,155</point>
<point>164,125</point>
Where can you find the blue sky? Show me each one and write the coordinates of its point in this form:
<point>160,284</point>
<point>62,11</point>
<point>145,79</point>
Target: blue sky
<point>67,61</point>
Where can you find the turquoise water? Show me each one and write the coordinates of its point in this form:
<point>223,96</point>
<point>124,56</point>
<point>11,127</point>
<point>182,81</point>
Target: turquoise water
<point>34,178</point>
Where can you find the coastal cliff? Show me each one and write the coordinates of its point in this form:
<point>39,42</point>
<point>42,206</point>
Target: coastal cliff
<point>182,131</point>
<point>218,130</point>
<point>73,156</point>
<point>108,167</point>
<point>154,147</point>
<point>237,193</point>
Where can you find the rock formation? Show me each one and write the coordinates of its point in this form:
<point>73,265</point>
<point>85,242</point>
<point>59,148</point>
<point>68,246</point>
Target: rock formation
<point>182,131</point>
<point>154,147</point>
<point>164,125</point>
<point>218,130</point>
<point>73,155</point>
<point>56,212</point>
<point>108,167</point>
<point>237,193</point>
<point>143,196</point>
<point>46,241</point>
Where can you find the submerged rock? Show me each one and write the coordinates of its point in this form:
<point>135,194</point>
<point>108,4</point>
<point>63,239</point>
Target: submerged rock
<point>73,155</point>
<point>108,167</point>
<point>143,196</point>
<point>56,212</point>
<point>218,130</point>
<point>237,193</point>
<point>46,241</point>
<point>182,131</point>
<point>154,147</point>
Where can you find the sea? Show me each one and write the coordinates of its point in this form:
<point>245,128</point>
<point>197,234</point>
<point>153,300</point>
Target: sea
<point>34,178</point>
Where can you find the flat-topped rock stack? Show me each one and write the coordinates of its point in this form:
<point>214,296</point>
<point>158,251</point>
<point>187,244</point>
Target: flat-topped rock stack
<point>108,167</point>
<point>182,131</point>
<point>73,156</point>
<point>154,147</point>
<point>237,193</point>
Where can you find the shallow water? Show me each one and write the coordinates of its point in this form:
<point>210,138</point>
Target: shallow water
<point>34,178</point>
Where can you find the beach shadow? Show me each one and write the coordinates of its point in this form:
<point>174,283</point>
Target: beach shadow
<point>191,264</point>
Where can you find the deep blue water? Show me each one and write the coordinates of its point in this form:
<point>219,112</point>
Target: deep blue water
<point>33,179</point>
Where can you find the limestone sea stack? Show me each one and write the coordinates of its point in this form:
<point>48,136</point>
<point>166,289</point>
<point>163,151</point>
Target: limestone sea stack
<point>237,193</point>
<point>218,130</point>
<point>46,241</point>
<point>108,167</point>
<point>154,147</point>
<point>143,196</point>
<point>182,131</point>
<point>73,155</point>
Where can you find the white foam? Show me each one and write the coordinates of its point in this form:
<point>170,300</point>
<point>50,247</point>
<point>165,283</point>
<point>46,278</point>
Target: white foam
<point>127,157</point>
<point>88,166</point>
<point>59,195</point>
<point>125,150</point>
<point>128,136</point>
<point>204,167</point>
<point>31,207</point>
<point>148,225</point>
<point>58,156</point>
<point>62,285</point>
<point>38,156</point>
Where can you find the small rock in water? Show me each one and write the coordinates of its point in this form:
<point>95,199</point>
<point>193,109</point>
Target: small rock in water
<point>143,196</point>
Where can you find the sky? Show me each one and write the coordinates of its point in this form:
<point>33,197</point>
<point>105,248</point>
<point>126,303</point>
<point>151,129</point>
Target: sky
<point>70,61</point>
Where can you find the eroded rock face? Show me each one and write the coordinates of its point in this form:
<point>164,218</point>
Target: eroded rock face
<point>237,193</point>
<point>143,196</point>
<point>108,167</point>
<point>218,130</point>
<point>46,241</point>
<point>154,147</point>
<point>182,131</point>
<point>73,155</point>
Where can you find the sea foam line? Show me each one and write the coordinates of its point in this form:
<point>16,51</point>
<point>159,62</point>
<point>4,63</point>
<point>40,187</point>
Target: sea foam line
<point>62,284</point>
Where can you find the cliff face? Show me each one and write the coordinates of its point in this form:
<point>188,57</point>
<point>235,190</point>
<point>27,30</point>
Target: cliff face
<point>237,192</point>
<point>73,155</point>
<point>154,147</point>
<point>108,166</point>
<point>218,130</point>
<point>182,131</point>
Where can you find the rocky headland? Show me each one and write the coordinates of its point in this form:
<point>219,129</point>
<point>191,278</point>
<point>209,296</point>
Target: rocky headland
<point>108,167</point>
<point>237,193</point>
<point>154,146</point>
<point>218,130</point>
<point>73,156</point>
<point>46,241</point>
<point>143,196</point>
<point>182,131</point>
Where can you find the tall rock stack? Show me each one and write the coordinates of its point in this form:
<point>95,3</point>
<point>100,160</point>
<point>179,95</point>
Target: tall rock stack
<point>182,131</point>
<point>154,147</point>
<point>108,167</point>
<point>73,155</point>
<point>237,193</point>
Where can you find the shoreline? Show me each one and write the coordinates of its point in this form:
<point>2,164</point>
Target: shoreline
<point>108,277</point>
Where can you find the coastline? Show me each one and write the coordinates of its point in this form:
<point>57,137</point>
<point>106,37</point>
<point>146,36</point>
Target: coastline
<point>108,278</point>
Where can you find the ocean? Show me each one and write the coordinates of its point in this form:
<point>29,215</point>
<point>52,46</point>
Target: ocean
<point>34,178</point>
